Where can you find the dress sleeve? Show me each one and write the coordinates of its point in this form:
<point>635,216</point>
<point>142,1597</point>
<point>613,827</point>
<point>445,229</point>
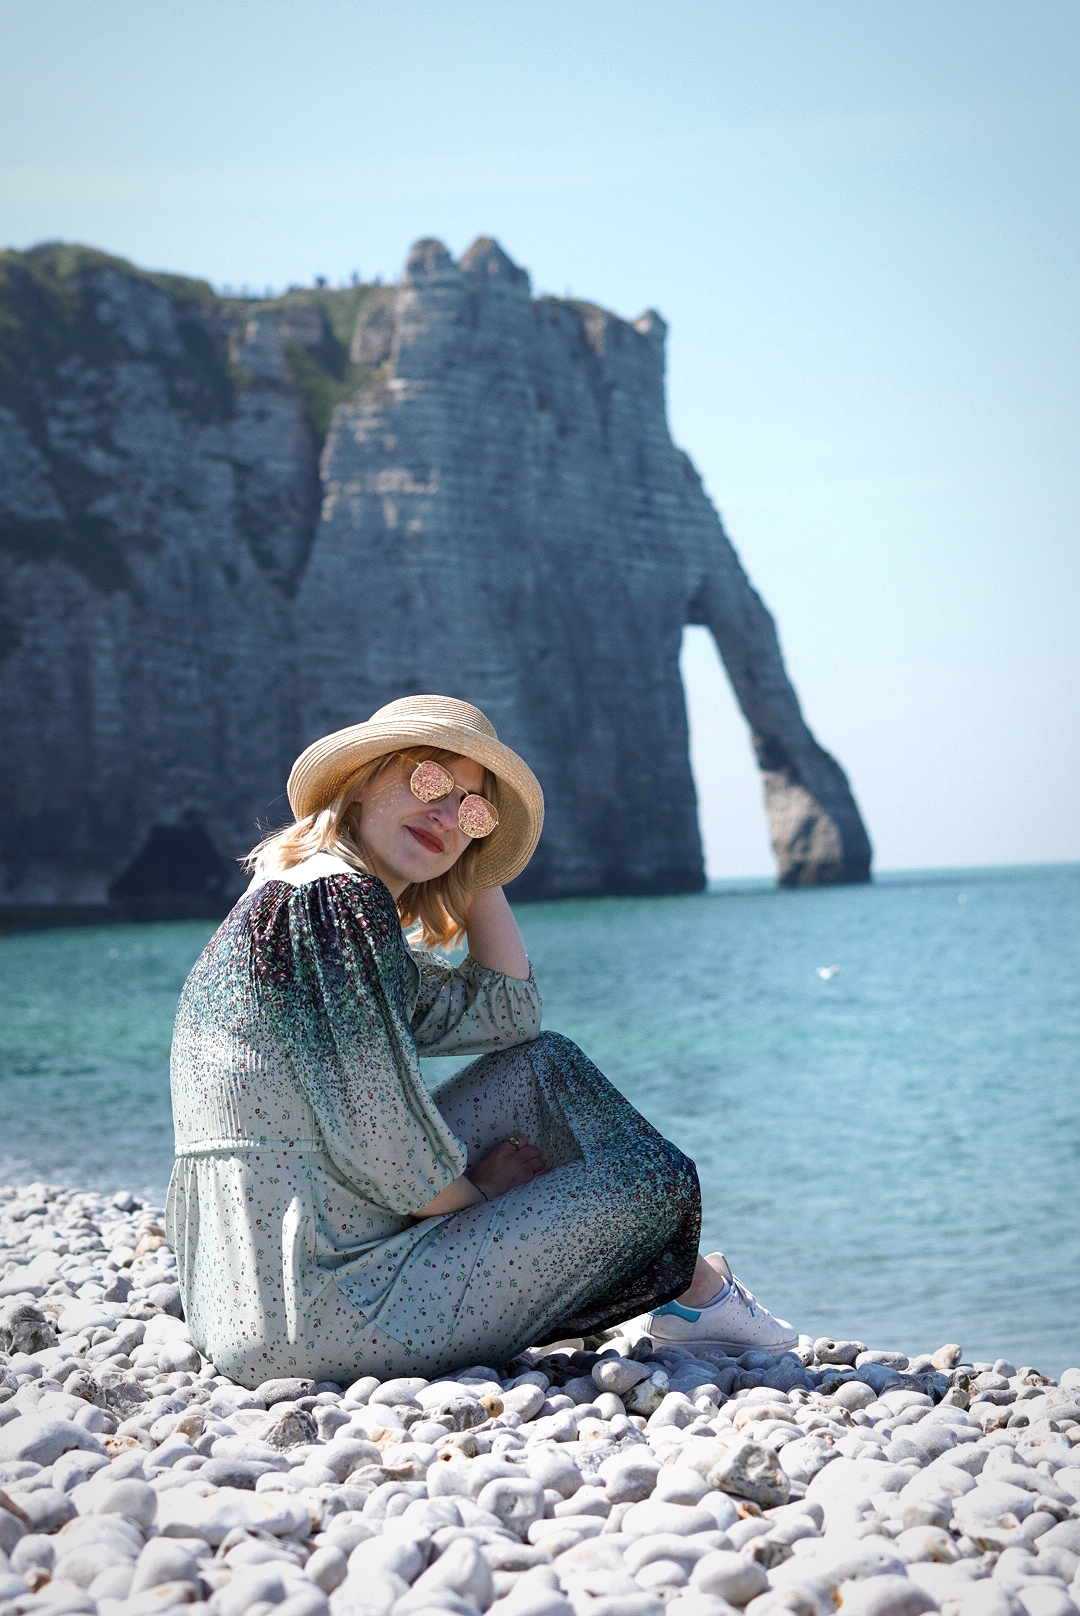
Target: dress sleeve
<point>467,1009</point>
<point>335,969</point>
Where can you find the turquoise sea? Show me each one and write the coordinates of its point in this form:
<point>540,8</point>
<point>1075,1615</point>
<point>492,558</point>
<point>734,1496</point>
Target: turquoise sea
<point>890,1151</point>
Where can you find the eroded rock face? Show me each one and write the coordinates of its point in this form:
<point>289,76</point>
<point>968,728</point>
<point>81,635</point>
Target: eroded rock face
<point>511,486</point>
<point>503,517</point>
<point>157,502</point>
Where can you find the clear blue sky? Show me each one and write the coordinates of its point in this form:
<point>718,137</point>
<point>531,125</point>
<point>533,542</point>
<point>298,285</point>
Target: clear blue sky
<point>860,222</point>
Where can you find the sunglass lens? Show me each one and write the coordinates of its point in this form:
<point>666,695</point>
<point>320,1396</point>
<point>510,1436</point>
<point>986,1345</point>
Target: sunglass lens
<point>431,782</point>
<point>477,817</point>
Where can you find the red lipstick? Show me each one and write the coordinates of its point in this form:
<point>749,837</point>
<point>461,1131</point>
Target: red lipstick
<point>426,838</point>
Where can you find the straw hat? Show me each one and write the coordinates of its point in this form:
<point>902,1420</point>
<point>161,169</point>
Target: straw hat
<point>322,771</point>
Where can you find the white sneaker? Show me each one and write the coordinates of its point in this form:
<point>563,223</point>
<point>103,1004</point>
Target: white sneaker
<point>735,1321</point>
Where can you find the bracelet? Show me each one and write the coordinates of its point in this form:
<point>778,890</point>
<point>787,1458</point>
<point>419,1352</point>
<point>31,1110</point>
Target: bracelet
<point>475,1186</point>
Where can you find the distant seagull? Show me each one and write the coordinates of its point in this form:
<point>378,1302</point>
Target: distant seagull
<point>827,972</point>
<point>961,897</point>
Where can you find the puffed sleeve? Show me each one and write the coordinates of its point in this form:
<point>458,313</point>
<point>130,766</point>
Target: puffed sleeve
<point>340,947</point>
<point>467,1009</point>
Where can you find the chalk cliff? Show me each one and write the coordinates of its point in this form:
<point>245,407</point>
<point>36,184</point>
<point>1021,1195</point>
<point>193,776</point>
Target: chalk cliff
<point>228,525</point>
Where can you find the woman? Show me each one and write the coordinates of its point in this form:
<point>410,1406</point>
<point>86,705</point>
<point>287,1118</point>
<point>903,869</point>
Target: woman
<point>330,1217</point>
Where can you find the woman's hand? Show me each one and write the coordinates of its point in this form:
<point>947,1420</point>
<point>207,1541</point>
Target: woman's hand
<point>513,1162</point>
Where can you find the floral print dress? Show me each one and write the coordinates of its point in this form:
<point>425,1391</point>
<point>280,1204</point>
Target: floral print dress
<point>307,1139</point>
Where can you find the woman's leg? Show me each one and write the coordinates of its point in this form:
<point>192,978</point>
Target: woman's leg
<point>559,1100</point>
<point>492,1099</point>
<point>609,1231</point>
<point>498,1096</point>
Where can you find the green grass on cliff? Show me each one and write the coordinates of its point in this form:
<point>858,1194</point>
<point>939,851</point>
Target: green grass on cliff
<point>59,339</point>
<point>341,305</point>
<point>53,331</point>
<point>324,376</point>
<point>47,310</point>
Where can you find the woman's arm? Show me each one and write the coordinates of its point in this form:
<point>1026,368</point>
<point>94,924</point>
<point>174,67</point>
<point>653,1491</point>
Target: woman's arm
<point>458,1195</point>
<point>494,939</point>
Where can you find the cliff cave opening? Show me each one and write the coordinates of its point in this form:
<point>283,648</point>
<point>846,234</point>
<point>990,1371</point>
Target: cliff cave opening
<point>177,873</point>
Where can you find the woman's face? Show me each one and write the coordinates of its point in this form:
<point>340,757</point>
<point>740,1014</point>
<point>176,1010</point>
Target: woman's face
<point>408,840</point>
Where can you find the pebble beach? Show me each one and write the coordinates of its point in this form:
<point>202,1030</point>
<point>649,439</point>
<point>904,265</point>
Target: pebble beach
<point>585,1478</point>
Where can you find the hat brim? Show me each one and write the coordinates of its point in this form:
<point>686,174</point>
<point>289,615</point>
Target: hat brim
<point>322,772</point>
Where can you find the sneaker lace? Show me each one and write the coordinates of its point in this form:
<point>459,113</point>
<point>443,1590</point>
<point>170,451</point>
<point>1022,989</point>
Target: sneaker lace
<point>747,1296</point>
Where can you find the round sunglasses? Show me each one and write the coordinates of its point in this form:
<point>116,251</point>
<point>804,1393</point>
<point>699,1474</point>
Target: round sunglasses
<point>476,816</point>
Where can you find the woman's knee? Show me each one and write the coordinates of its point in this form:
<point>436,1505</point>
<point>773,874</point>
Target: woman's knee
<point>556,1047</point>
<point>551,1040</point>
<point>683,1184</point>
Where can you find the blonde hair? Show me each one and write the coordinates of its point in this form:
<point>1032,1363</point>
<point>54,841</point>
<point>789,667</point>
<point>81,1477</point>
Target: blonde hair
<point>436,909</point>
